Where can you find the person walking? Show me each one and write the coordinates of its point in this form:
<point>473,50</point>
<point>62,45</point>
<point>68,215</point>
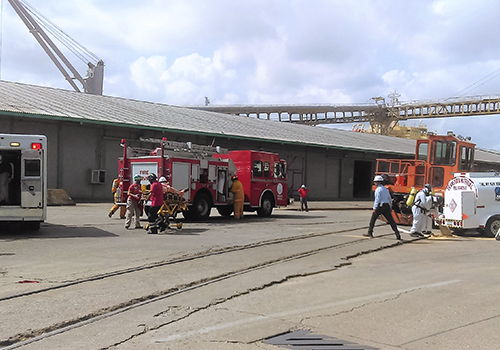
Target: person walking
<point>134,203</point>
<point>382,206</point>
<point>303,191</point>
<point>116,188</point>
<point>421,206</point>
<point>239,196</point>
<point>156,197</point>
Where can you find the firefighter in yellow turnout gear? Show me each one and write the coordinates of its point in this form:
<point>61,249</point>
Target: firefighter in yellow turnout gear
<point>116,188</point>
<point>239,197</point>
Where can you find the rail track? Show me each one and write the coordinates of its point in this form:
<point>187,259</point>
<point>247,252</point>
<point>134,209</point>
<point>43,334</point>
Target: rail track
<point>227,262</point>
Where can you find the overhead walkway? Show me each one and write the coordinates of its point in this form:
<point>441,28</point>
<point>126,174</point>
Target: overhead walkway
<point>383,117</point>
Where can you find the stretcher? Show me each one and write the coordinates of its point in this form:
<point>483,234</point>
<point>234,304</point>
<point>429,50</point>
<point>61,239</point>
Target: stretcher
<point>173,204</point>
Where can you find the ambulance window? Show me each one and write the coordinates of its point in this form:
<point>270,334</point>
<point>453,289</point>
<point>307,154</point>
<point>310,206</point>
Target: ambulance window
<point>257,168</point>
<point>266,169</point>
<point>32,167</point>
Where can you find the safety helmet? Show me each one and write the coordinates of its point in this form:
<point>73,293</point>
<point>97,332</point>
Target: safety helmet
<point>303,186</point>
<point>152,177</point>
<point>137,177</point>
<point>162,179</point>
<point>378,178</point>
<point>234,177</point>
<point>428,186</point>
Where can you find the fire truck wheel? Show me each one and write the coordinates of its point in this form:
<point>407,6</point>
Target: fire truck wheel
<point>266,207</point>
<point>188,214</point>
<point>492,226</point>
<point>225,210</point>
<point>201,207</point>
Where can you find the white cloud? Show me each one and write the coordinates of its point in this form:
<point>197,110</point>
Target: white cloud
<point>279,51</point>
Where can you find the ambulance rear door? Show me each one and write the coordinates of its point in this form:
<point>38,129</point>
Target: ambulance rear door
<point>32,179</point>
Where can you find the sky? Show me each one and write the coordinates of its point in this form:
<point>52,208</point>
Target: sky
<point>275,52</point>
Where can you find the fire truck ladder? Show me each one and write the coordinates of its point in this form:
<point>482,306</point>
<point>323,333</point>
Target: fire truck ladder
<point>187,148</point>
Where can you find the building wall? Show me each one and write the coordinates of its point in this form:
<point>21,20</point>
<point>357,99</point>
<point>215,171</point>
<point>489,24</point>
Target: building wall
<point>75,149</point>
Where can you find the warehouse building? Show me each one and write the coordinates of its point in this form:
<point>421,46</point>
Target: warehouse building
<point>84,133</point>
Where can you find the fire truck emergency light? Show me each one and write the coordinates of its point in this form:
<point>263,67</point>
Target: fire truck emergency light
<point>36,145</point>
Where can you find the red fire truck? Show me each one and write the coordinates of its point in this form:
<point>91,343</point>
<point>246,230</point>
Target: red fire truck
<point>206,171</point>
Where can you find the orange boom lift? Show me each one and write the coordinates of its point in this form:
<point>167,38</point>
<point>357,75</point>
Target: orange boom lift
<point>436,160</point>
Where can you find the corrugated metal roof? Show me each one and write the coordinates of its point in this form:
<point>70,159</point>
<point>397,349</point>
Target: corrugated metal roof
<point>44,102</point>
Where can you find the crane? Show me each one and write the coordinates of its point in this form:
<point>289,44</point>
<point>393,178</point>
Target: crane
<point>93,82</point>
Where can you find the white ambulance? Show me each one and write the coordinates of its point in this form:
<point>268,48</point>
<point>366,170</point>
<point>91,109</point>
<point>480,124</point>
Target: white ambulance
<point>23,179</point>
<point>472,201</point>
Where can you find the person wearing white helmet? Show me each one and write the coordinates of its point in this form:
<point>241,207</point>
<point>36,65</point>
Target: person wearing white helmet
<point>382,206</point>
<point>303,190</point>
<point>421,207</point>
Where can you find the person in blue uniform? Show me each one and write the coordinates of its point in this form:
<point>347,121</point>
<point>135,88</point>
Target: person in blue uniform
<point>382,206</point>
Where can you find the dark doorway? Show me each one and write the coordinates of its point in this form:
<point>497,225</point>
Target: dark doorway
<point>362,184</point>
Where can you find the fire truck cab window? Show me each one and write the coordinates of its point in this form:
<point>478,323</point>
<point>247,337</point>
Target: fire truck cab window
<point>444,152</point>
<point>266,169</point>
<point>279,170</point>
<point>423,149</point>
<point>32,167</point>
<point>203,176</point>
<point>257,168</point>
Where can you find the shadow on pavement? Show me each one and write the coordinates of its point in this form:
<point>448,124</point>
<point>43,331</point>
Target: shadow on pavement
<point>254,218</point>
<point>13,231</point>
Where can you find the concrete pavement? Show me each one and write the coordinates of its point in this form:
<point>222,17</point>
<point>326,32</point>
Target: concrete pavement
<point>333,205</point>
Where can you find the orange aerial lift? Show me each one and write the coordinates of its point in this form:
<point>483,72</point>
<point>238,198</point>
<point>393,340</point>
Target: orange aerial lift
<point>436,160</point>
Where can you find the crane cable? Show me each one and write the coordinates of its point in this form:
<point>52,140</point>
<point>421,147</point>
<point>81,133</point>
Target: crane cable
<point>473,86</point>
<point>76,48</point>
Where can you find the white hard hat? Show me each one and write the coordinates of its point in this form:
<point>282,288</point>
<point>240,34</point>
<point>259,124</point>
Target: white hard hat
<point>162,179</point>
<point>378,178</point>
<point>303,186</point>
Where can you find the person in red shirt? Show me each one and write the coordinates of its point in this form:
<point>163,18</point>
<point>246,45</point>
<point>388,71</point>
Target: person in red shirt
<point>134,203</point>
<point>303,191</point>
<point>156,197</point>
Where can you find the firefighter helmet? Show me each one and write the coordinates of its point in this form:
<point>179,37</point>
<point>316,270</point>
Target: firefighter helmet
<point>162,179</point>
<point>137,177</point>
<point>378,178</point>
<point>234,177</point>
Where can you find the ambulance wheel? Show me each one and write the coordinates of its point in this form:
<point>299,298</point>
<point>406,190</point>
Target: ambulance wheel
<point>266,207</point>
<point>201,207</point>
<point>225,210</point>
<point>492,226</point>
